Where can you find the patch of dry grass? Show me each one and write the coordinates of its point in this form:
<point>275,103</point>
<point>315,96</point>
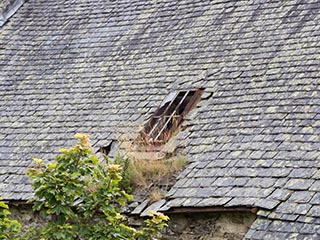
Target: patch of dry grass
<point>156,195</point>
<point>143,172</point>
<point>148,167</point>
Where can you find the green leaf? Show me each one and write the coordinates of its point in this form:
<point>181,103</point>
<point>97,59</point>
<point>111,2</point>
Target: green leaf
<point>85,197</point>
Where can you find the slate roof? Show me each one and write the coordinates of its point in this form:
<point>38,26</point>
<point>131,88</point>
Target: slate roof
<point>101,67</point>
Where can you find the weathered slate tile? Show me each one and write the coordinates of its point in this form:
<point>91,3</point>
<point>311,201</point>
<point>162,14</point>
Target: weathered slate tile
<point>314,211</point>
<point>301,197</point>
<point>299,184</point>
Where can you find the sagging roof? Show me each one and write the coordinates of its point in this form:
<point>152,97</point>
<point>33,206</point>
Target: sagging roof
<point>102,67</point>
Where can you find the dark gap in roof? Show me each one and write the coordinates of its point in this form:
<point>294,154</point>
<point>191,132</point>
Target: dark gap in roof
<point>106,149</point>
<point>167,118</point>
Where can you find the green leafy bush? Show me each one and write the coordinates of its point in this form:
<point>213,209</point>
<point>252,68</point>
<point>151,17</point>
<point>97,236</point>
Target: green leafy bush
<point>126,172</point>
<point>8,228</point>
<point>84,198</point>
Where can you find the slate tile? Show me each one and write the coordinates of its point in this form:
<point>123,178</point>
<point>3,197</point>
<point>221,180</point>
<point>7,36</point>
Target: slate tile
<point>301,196</point>
<point>218,201</point>
<point>188,192</point>
<point>264,163</point>
<point>229,182</point>
<point>315,199</point>
<point>241,202</point>
<point>293,208</point>
<point>307,237</point>
<point>250,234</point>
<point>306,219</point>
<point>280,194</point>
<point>302,173</point>
<point>273,235</point>
<point>309,228</point>
<point>316,175</point>
<point>263,213</point>
<point>315,186</point>
<point>267,204</point>
<point>192,183</point>
<point>314,211</point>
<point>140,207</point>
<point>191,202</point>
<point>257,154</point>
<point>261,224</point>
<point>171,192</point>
<point>282,226</point>
<point>261,182</point>
<point>176,202</point>
<point>155,207</point>
<point>299,184</point>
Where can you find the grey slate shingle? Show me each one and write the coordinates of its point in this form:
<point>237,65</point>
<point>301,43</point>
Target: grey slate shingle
<point>254,137</point>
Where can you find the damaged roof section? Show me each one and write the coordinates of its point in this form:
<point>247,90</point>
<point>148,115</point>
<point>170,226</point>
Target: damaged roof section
<point>255,143</point>
<point>8,8</point>
<point>168,117</point>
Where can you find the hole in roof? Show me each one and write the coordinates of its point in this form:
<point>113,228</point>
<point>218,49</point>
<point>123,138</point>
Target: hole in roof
<point>170,114</point>
<point>106,149</point>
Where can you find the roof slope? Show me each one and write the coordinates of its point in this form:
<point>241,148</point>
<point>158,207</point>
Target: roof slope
<point>254,139</point>
<point>255,143</point>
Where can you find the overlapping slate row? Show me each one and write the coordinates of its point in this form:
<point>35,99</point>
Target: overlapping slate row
<point>252,149</point>
<point>47,99</point>
<point>101,67</point>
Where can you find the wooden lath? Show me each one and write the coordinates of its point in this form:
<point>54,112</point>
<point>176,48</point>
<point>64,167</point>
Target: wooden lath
<point>171,116</point>
<point>163,124</point>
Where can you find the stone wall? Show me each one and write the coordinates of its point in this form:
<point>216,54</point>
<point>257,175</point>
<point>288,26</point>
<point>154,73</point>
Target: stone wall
<point>195,226</point>
<point>27,218</point>
<point>210,226</point>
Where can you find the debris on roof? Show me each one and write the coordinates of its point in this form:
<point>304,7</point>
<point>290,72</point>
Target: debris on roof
<point>167,118</point>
